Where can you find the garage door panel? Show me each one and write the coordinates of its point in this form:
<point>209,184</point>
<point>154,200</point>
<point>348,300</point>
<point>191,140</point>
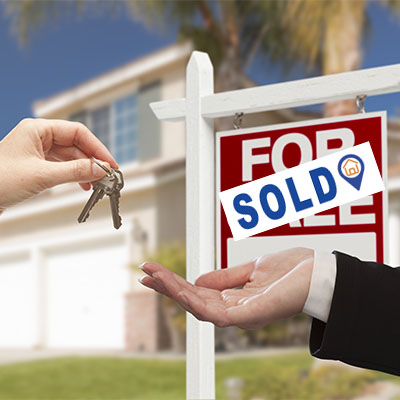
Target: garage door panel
<point>86,297</point>
<point>18,303</point>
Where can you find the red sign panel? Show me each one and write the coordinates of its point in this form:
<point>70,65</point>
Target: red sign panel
<point>356,228</point>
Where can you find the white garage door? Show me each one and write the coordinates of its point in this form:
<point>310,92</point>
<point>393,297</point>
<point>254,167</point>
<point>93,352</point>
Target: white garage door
<point>18,302</point>
<point>86,288</point>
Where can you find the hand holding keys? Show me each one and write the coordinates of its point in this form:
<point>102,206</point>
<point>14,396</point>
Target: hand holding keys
<point>110,185</point>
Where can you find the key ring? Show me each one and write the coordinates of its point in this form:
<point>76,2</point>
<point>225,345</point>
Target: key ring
<point>101,166</point>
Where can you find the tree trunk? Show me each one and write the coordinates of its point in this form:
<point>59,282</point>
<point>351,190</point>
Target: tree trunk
<point>228,77</point>
<point>342,51</point>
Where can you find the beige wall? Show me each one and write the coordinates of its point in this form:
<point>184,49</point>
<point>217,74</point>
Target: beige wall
<point>173,133</point>
<point>171,212</point>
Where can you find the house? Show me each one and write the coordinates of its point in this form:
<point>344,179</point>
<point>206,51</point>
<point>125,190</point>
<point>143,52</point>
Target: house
<point>351,167</point>
<point>70,285</point>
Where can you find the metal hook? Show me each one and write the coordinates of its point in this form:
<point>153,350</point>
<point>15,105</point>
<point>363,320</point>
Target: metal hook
<point>360,103</point>
<point>237,122</point>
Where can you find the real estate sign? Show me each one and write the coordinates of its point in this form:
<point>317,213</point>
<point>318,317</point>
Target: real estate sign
<point>245,155</point>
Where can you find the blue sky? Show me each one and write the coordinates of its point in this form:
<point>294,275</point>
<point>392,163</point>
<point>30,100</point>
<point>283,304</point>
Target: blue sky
<point>67,52</point>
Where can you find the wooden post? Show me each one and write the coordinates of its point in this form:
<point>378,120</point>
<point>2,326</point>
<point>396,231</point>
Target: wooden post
<point>200,222</point>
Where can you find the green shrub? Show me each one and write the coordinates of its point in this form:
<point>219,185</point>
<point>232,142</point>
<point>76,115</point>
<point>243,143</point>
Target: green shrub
<point>340,383</point>
<point>287,382</point>
<point>291,331</point>
<point>173,256</point>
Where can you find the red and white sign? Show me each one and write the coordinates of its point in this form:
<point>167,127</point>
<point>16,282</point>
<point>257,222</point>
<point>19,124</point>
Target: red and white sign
<point>357,228</point>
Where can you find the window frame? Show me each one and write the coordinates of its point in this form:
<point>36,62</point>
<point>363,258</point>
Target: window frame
<point>111,102</point>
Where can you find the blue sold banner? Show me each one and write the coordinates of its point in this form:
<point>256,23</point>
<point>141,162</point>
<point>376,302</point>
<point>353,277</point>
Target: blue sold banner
<point>301,191</point>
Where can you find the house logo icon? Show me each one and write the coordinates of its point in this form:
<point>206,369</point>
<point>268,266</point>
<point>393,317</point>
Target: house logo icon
<point>351,169</point>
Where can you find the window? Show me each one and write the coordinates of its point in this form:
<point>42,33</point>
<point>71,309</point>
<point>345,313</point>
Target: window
<point>81,116</point>
<point>116,126</point>
<point>101,124</point>
<point>125,129</point>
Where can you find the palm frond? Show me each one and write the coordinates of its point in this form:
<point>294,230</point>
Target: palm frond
<point>27,16</point>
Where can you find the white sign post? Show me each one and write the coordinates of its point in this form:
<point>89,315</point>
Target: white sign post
<point>199,108</point>
<point>200,223</point>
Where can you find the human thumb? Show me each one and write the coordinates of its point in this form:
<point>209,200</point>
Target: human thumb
<point>82,170</point>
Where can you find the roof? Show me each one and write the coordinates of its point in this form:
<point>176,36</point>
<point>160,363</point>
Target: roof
<point>350,160</point>
<point>132,70</point>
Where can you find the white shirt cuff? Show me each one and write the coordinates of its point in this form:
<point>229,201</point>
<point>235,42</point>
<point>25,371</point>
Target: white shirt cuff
<point>319,299</point>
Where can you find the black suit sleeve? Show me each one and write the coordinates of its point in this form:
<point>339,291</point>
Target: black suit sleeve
<point>363,327</point>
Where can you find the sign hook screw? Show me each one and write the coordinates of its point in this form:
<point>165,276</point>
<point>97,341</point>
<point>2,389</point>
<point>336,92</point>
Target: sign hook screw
<point>360,103</point>
<point>237,122</point>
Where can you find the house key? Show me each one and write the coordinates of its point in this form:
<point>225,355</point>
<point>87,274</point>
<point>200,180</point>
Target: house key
<point>110,185</point>
<point>114,199</point>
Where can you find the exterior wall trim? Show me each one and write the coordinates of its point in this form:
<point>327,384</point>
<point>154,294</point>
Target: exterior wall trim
<point>393,184</point>
<point>133,70</point>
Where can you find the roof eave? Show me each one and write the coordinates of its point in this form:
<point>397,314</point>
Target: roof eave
<point>133,70</point>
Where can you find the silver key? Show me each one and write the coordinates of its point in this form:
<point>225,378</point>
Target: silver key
<point>114,204</point>
<point>114,200</point>
<point>107,185</point>
<point>98,194</point>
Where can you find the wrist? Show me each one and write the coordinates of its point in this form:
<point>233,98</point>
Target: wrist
<point>290,295</point>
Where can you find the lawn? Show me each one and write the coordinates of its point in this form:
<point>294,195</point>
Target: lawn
<point>279,377</point>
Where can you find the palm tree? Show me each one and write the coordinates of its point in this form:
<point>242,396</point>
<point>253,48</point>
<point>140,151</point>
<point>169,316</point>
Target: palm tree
<point>329,34</point>
<point>322,35</point>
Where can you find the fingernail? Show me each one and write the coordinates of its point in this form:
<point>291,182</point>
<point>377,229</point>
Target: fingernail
<point>140,280</point>
<point>142,265</point>
<point>97,171</point>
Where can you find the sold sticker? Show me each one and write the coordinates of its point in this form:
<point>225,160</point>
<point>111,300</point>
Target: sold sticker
<point>301,191</point>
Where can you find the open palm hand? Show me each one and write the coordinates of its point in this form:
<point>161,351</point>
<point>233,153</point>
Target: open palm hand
<point>250,296</point>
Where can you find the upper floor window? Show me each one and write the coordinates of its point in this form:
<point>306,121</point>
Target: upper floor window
<point>116,126</point>
<point>127,126</point>
<point>101,124</point>
<point>125,129</point>
<point>81,116</point>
